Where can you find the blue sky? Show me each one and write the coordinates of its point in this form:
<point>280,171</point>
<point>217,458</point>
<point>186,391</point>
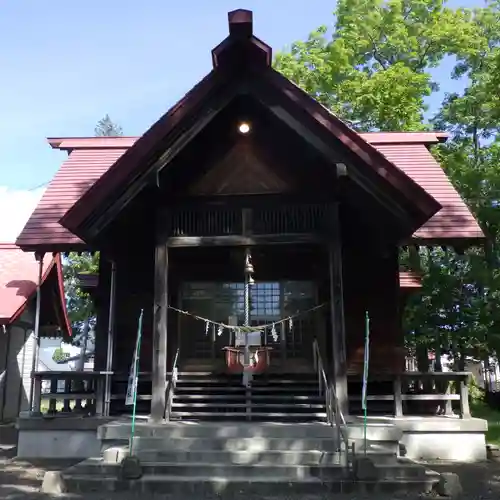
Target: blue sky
<point>65,64</point>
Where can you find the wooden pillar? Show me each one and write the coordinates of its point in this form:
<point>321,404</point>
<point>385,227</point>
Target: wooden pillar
<point>110,342</point>
<point>159,360</point>
<point>36,333</point>
<point>337,311</point>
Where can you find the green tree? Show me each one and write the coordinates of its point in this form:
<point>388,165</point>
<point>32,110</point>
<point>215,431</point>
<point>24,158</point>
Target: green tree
<point>107,128</point>
<point>59,355</point>
<point>372,69</point>
<point>79,303</point>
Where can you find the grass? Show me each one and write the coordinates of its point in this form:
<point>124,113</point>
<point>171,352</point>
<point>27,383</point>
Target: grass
<point>480,409</point>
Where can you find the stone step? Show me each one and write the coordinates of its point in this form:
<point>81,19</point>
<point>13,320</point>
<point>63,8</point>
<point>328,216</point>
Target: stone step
<point>268,458</point>
<point>265,469</point>
<point>375,447</point>
<point>197,469</point>
<point>230,487</point>
<point>121,430</point>
<point>116,454</point>
<point>256,444</point>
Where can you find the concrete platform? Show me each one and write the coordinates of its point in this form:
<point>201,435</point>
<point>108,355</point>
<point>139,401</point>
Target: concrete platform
<point>438,438</point>
<point>420,438</point>
<point>68,437</point>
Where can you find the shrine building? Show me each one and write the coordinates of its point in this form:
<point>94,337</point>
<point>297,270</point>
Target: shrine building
<point>258,232</point>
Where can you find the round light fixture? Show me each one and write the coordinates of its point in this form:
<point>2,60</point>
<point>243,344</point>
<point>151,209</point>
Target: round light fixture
<point>244,128</point>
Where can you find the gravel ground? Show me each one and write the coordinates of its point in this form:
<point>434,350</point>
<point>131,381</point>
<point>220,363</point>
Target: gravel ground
<point>21,481</point>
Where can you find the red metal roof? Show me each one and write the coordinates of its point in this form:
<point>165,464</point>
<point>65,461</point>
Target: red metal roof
<point>90,157</point>
<point>82,168</point>
<point>18,282</point>
<point>454,220</point>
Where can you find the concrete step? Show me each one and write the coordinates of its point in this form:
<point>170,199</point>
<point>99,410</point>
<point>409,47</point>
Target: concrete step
<point>199,469</point>
<point>232,444</point>
<point>229,487</point>
<point>267,458</point>
<point>120,430</point>
<point>397,469</point>
<point>116,454</point>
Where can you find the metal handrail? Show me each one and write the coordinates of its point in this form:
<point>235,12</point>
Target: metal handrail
<point>333,411</point>
<point>172,384</point>
<point>175,368</point>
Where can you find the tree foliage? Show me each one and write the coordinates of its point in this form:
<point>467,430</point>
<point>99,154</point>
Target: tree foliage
<point>374,68</point>
<point>79,303</point>
<point>107,128</point>
<point>59,355</point>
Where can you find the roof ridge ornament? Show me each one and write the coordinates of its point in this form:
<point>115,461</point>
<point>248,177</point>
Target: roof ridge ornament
<point>240,23</point>
<point>241,49</point>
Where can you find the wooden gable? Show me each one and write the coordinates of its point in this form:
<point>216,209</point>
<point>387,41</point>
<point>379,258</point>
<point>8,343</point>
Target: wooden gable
<point>240,172</point>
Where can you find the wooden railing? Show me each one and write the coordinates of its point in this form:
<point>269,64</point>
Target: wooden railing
<point>68,392</point>
<point>61,393</point>
<point>414,393</point>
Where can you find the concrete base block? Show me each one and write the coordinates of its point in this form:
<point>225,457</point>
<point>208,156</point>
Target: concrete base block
<point>58,444</point>
<point>364,469</point>
<point>130,468</point>
<point>449,486</point>
<point>459,447</point>
<point>439,438</point>
<point>53,483</point>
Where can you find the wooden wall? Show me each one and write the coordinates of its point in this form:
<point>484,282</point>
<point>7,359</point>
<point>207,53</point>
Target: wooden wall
<point>372,284</point>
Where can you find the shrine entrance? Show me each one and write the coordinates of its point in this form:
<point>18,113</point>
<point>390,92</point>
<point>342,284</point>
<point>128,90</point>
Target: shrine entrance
<point>203,344</point>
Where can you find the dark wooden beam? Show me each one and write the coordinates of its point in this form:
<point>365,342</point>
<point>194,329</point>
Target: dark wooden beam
<point>337,311</point>
<point>159,359</point>
<point>238,240</point>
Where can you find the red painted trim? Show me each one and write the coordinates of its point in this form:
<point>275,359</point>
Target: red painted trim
<point>62,297</point>
<point>22,308</point>
<point>125,142</point>
<point>55,265</point>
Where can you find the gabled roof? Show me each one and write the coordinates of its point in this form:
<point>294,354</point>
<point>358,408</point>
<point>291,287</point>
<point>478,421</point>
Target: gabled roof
<point>18,282</point>
<point>90,157</point>
<point>242,60</point>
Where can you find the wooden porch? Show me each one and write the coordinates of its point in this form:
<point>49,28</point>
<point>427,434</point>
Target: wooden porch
<point>407,394</point>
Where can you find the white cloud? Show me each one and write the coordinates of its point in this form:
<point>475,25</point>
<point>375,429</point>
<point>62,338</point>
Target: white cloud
<point>16,206</point>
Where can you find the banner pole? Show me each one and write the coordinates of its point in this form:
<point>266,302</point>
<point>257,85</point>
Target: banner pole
<point>136,375</point>
<point>365,378</point>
